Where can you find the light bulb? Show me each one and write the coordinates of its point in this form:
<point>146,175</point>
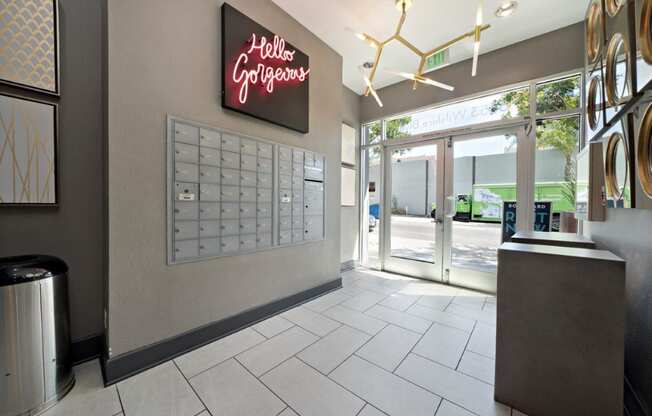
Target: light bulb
<point>476,53</point>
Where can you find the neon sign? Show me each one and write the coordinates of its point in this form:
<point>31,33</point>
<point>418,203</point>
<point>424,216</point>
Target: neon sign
<point>263,75</point>
<point>268,75</point>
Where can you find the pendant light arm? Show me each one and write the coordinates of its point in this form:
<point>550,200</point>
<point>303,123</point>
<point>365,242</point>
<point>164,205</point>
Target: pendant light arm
<point>399,27</point>
<point>470,34</point>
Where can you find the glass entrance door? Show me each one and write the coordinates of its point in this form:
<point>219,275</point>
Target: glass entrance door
<point>483,176</point>
<point>413,218</point>
<point>443,205</point>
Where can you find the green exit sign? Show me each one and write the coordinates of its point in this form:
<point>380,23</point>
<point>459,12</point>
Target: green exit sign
<point>435,61</point>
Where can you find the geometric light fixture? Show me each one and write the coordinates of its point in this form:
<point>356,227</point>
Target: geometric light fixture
<point>418,77</point>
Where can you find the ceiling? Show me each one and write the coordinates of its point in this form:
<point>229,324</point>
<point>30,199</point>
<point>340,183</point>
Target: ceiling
<point>429,23</point>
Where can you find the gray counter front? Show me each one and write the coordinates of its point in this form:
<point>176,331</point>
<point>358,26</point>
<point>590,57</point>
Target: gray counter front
<point>560,330</point>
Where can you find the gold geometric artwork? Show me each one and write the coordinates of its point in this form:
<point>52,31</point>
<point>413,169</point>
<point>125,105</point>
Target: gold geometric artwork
<point>27,151</point>
<point>28,45</point>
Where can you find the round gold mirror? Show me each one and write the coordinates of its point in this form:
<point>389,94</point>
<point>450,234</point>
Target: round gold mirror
<point>593,101</point>
<point>594,31</point>
<point>617,166</point>
<point>644,152</point>
<point>645,30</point>
<point>614,6</point>
<point>618,69</point>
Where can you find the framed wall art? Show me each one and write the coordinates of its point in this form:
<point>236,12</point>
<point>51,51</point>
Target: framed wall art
<point>28,151</point>
<point>29,45</point>
<point>348,145</point>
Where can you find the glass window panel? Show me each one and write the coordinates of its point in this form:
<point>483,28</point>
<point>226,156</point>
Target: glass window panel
<point>414,173</point>
<point>558,95</point>
<point>371,202</point>
<point>494,107</point>
<point>373,132</point>
<point>555,168</point>
<point>484,177</point>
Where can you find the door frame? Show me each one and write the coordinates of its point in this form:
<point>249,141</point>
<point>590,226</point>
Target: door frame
<point>420,269</point>
<point>476,279</point>
<point>526,147</point>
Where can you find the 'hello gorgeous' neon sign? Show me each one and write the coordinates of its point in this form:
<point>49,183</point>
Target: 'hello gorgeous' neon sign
<point>268,75</point>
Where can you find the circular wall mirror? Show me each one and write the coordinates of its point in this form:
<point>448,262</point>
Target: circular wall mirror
<point>644,152</point>
<point>614,6</point>
<point>645,30</point>
<point>593,101</point>
<point>617,166</point>
<point>618,69</point>
<point>594,30</point>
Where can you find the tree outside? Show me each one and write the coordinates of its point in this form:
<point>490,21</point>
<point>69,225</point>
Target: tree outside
<point>560,134</point>
<point>394,131</point>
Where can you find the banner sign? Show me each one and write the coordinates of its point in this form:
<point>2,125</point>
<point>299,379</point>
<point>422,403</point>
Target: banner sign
<point>542,218</point>
<point>262,75</point>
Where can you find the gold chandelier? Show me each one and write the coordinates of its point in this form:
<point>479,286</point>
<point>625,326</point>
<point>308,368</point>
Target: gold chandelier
<point>418,77</point>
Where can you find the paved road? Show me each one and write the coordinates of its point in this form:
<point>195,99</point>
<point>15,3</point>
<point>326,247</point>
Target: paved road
<point>474,244</point>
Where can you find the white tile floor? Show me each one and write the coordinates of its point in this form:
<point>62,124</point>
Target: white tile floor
<point>381,345</point>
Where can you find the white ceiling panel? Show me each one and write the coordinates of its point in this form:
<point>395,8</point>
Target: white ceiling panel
<point>429,24</point>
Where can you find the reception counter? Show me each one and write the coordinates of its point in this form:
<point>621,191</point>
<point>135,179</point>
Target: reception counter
<point>560,330</point>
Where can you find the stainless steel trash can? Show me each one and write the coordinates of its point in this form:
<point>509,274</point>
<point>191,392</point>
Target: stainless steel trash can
<point>35,360</point>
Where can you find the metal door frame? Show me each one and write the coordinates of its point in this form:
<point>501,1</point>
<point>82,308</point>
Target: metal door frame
<point>441,270</point>
<point>475,279</point>
<point>416,268</point>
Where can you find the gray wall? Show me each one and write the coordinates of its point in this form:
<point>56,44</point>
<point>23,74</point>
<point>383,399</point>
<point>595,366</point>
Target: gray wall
<point>350,222</point>
<point>551,53</point>
<point>164,58</point>
<point>73,231</point>
<point>627,233</point>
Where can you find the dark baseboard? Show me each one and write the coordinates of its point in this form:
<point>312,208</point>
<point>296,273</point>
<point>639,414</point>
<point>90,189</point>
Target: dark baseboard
<point>87,349</point>
<point>348,265</point>
<point>126,365</point>
<point>633,404</point>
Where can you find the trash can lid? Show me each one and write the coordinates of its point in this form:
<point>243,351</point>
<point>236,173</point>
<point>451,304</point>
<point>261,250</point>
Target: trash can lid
<point>21,269</point>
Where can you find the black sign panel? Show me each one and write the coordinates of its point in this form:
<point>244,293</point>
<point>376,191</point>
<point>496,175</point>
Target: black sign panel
<point>262,75</point>
<point>542,218</point>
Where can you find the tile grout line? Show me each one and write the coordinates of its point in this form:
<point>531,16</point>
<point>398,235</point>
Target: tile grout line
<point>313,333</point>
<point>441,323</point>
<point>445,398</point>
<point>233,356</point>
<point>260,333</point>
<point>421,387</point>
<point>468,341</point>
<point>267,387</point>
<point>124,412</point>
<point>335,382</point>
<point>413,347</point>
<point>401,326</point>
<point>289,358</point>
<point>450,368</point>
<point>193,389</point>
<point>402,378</point>
<point>361,313</point>
<point>438,406</point>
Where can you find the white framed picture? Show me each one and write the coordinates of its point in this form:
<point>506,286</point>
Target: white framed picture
<point>348,187</point>
<point>348,145</point>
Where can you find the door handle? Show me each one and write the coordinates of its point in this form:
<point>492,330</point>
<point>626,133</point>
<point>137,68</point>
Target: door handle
<point>452,208</point>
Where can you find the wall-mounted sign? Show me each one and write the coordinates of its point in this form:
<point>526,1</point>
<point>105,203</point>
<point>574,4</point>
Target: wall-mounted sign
<point>263,75</point>
<point>542,218</point>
